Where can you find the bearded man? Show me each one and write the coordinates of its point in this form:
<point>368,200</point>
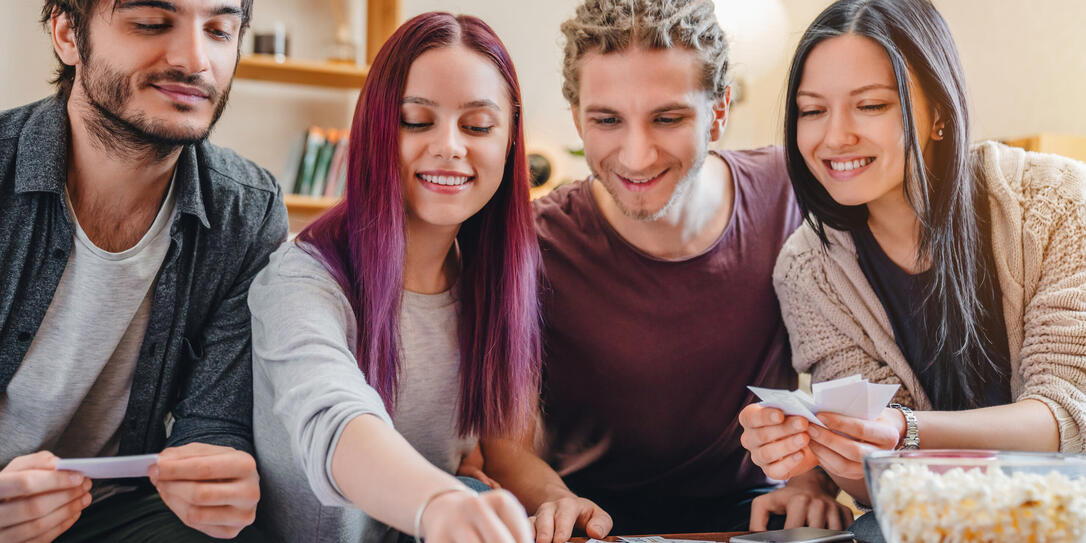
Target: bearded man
<point>128,244</point>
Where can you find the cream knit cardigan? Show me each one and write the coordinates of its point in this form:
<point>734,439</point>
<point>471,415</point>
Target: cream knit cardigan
<point>838,327</point>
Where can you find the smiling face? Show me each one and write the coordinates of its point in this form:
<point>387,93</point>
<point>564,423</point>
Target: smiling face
<point>849,127</point>
<point>646,122</point>
<point>454,135</point>
<point>160,71</point>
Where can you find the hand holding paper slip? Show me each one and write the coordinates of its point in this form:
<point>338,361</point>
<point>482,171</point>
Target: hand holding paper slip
<point>851,396</point>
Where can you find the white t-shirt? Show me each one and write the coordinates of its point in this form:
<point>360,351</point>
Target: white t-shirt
<point>70,393</point>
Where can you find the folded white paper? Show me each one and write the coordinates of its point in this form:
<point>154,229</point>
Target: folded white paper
<point>110,467</point>
<point>851,396</point>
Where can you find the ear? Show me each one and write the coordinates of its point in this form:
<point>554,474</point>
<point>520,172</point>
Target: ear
<point>720,115</point>
<point>574,111</point>
<point>64,41</point>
<point>937,126</point>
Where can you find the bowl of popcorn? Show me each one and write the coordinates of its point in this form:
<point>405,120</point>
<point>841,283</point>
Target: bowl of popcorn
<point>960,496</point>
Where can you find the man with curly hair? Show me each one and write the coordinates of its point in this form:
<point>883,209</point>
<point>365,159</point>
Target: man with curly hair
<point>659,307</point>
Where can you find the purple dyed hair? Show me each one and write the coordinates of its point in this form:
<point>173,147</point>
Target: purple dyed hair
<point>361,242</point>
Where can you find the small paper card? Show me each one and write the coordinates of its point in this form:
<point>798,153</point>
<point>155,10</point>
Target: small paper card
<point>852,396</point>
<point>110,467</point>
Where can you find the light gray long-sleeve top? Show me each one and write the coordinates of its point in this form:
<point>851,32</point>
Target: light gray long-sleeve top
<point>307,386</point>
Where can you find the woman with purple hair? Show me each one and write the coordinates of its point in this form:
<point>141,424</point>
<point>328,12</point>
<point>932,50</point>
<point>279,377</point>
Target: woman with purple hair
<point>401,327</point>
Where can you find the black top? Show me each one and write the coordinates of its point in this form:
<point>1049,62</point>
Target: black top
<point>902,296</point>
<point>194,361</point>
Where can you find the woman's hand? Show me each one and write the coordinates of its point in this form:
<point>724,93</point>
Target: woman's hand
<point>777,444</point>
<point>459,517</point>
<point>841,446</point>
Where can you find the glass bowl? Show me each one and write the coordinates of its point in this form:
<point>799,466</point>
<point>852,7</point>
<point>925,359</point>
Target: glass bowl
<point>965,496</point>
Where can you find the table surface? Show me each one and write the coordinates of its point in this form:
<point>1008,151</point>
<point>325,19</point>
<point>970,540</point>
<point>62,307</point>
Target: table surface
<point>711,536</point>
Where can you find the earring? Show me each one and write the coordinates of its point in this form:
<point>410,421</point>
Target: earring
<point>940,133</point>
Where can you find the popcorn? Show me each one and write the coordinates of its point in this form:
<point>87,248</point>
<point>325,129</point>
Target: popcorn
<point>916,504</point>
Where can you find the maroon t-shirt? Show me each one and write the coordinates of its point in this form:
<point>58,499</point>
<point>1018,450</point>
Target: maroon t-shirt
<point>647,360</point>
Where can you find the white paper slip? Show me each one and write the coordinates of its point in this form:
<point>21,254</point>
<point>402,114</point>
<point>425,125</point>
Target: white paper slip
<point>110,467</point>
<point>658,539</point>
<point>852,396</point>
<point>792,402</point>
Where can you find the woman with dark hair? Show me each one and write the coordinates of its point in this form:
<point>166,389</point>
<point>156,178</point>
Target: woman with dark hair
<point>955,270</point>
<point>401,327</point>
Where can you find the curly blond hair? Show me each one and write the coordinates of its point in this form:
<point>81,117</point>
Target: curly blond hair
<point>608,26</point>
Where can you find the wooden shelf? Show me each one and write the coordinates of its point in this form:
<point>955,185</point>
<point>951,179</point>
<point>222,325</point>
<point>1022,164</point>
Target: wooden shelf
<point>302,72</point>
<point>1058,144</point>
<point>303,210</point>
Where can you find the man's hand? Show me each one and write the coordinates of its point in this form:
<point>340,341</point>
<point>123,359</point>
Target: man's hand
<point>805,502</point>
<point>210,488</point>
<point>554,521</point>
<point>777,444</point>
<point>38,503</point>
<point>472,466</point>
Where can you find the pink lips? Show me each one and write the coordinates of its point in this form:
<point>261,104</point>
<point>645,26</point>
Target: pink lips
<point>641,187</point>
<point>844,175</point>
<point>181,93</point>
<point>444,189</point>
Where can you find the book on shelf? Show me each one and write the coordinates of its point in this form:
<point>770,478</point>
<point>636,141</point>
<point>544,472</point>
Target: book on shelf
<point>323,163</point>
<point>317,163</point>
<point>308,165</point>
<point>337,172</point>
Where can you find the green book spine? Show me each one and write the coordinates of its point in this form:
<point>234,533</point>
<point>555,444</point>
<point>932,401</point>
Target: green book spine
<point>320,173</point>
<point>309,161</point>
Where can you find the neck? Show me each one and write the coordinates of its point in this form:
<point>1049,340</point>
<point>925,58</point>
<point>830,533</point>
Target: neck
<point>430,263</point>
<point>99,171</point>
<point>694,222</point>
<point>896,228</point>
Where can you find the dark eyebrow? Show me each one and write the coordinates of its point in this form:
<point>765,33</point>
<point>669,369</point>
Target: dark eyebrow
<point>232,11</point>
<point>166,5</point>
<point>157,4</point>
<point>484,103</point>
<point>861,90</point>
<point>600,109</point>
<point>418,100</point>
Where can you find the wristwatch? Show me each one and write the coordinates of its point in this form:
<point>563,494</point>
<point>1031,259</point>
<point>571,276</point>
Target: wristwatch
<point>912,428</point>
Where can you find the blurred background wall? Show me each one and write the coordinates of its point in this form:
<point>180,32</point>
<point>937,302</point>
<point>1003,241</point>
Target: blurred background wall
<point>1024,62</point>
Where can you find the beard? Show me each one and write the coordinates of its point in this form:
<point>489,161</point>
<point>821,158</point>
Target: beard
<point>677,194</point>
<point>135,134</point>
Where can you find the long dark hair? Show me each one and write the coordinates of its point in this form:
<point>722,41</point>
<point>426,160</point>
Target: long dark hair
<point>945,194</point>
<point>362,242</point>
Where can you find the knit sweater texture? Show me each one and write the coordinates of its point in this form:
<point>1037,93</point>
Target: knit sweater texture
<point>838,327</point>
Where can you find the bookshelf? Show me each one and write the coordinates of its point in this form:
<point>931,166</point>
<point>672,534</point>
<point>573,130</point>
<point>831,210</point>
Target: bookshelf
<point>302,210</point>
<point>382,18</point>
<point>301,72</point>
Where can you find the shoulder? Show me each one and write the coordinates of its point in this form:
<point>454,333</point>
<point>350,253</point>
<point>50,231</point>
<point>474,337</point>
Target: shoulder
<point>762,169</point>
<point>296,281</point>
<point>763,161</point>
<point>13,120</point>
<point>242,200</point>
<point>761,175</point>
<point>566,208</point>
<point>14,125</point>
<point>1031,178</point>
<point>802,252</point>
<point>234,171</point>
<point>292,261</point>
